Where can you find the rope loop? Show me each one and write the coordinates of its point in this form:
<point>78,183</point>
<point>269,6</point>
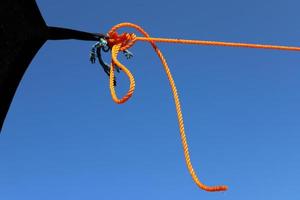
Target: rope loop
<point>115,62</point>
<point>121,42</point>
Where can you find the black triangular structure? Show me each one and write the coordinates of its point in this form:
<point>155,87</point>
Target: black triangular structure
<point>23,32</point>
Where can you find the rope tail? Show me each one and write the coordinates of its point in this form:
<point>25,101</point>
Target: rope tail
<point>124,41</point>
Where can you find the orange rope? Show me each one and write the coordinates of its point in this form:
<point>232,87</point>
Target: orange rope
<point>124,41</point>
<point>215,43</point>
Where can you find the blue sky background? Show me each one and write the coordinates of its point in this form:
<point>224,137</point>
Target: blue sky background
<point>64,138</point>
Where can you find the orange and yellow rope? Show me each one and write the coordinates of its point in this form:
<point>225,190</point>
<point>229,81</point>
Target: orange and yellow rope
<point>124,41</point>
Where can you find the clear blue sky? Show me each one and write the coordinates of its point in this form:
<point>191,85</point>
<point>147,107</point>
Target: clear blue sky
<point>64,138</point>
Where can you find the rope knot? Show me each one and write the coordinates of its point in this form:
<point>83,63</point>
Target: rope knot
<point>126,40</point>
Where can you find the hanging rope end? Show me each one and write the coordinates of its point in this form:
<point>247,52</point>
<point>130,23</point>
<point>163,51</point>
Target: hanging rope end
<point>220,188</point>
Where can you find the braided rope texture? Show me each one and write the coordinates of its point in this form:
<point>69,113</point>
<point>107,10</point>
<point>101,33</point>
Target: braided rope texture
<point>124,41</point>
